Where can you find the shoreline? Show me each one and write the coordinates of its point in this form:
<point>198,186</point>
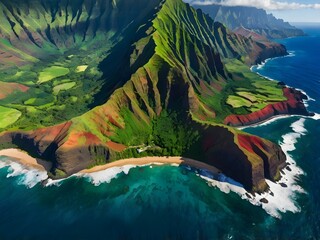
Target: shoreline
<point>26,160</point>
<point>153,161</point>
<point>269,120</point>
<point>260,65</point>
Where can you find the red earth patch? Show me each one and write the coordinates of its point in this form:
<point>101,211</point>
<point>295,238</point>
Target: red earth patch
<point>116,146</point>
<point>8,88</point>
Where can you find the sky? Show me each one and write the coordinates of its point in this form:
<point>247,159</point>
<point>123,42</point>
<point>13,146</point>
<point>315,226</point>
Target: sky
<point>290,10</point>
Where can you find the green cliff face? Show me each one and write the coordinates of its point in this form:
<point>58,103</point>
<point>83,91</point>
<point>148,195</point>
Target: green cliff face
<point>107,77</point>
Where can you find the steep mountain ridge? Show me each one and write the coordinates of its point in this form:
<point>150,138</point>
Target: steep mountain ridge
<point>251,18</point>
<point>32,29</point>
<point>175,70</point>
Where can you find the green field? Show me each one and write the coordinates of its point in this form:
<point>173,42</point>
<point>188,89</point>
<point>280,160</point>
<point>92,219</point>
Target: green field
<point>269,90</point>
<point>250,96</point>
<point>81,68</point>
<point>254,93</point>
<point>58,81</point>
<point>8,116</point>
<point>237,102</point>
<point>30,101</point>
<point>51,73</point>
<point>63,87</point>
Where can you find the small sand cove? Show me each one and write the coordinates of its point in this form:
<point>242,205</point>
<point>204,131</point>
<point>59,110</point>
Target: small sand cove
<point>25,159</point>
<point>153,160</point>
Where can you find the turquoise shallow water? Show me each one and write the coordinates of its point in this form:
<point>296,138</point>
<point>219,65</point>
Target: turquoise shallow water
<point>171,202</point>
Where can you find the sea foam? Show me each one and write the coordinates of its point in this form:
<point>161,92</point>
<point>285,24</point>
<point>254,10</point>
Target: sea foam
<point>268,121</point>
<point>316,116</point>
<point>24,175</point>
<point>105,176</point>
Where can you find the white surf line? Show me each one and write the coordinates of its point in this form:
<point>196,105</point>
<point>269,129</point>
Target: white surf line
<point>105,176</point>
<point>27,176</point>
<point>279,117</point>
<point>268,121</point>
<point>263,63</point>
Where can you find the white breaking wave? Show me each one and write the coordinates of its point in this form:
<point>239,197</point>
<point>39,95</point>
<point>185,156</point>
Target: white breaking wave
<point>298,127</point>
<point>267,122</point>
<point>316,116</point>
<point>263,64</point>
<point>105,176</point>
<point>25,176</point>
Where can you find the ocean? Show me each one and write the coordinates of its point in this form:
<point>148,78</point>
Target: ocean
<point>168,202</point>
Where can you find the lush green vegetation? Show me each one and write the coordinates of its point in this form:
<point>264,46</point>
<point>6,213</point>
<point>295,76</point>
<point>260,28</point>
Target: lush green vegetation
<point>136,132</point>
<point>57,100</point>
<point>244,93</point>
<point>180,49</point>
<point>174,135</point>
<point>8,116</point>
<point>237,102</point>
<point>81,68</point>
<point>167,135</point>
<point>57,94</point>
<point>51,73</point>
<point>63,87</point>
<point>262,95</point>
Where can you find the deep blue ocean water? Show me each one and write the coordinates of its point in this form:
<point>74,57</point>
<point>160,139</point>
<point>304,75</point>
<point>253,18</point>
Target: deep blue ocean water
<point>166,202</point>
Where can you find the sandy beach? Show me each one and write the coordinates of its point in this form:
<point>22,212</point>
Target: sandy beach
<point>25,159</point>
<point>153,160</point>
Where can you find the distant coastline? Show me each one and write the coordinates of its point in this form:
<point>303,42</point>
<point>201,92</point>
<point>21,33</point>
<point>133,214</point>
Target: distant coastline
<point>306,24</point>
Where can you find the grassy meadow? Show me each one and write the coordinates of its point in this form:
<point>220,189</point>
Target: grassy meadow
<point>8,116</point>
<point>59,89</point>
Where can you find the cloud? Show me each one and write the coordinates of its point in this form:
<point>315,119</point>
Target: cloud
<point>265,4</point>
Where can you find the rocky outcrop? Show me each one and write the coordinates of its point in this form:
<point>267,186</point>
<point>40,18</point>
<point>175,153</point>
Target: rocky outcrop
<point>271,51</point>
<point>265,49</point>
<point>68,155</point>
<point>247,159</point>
<point>293,105</point>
